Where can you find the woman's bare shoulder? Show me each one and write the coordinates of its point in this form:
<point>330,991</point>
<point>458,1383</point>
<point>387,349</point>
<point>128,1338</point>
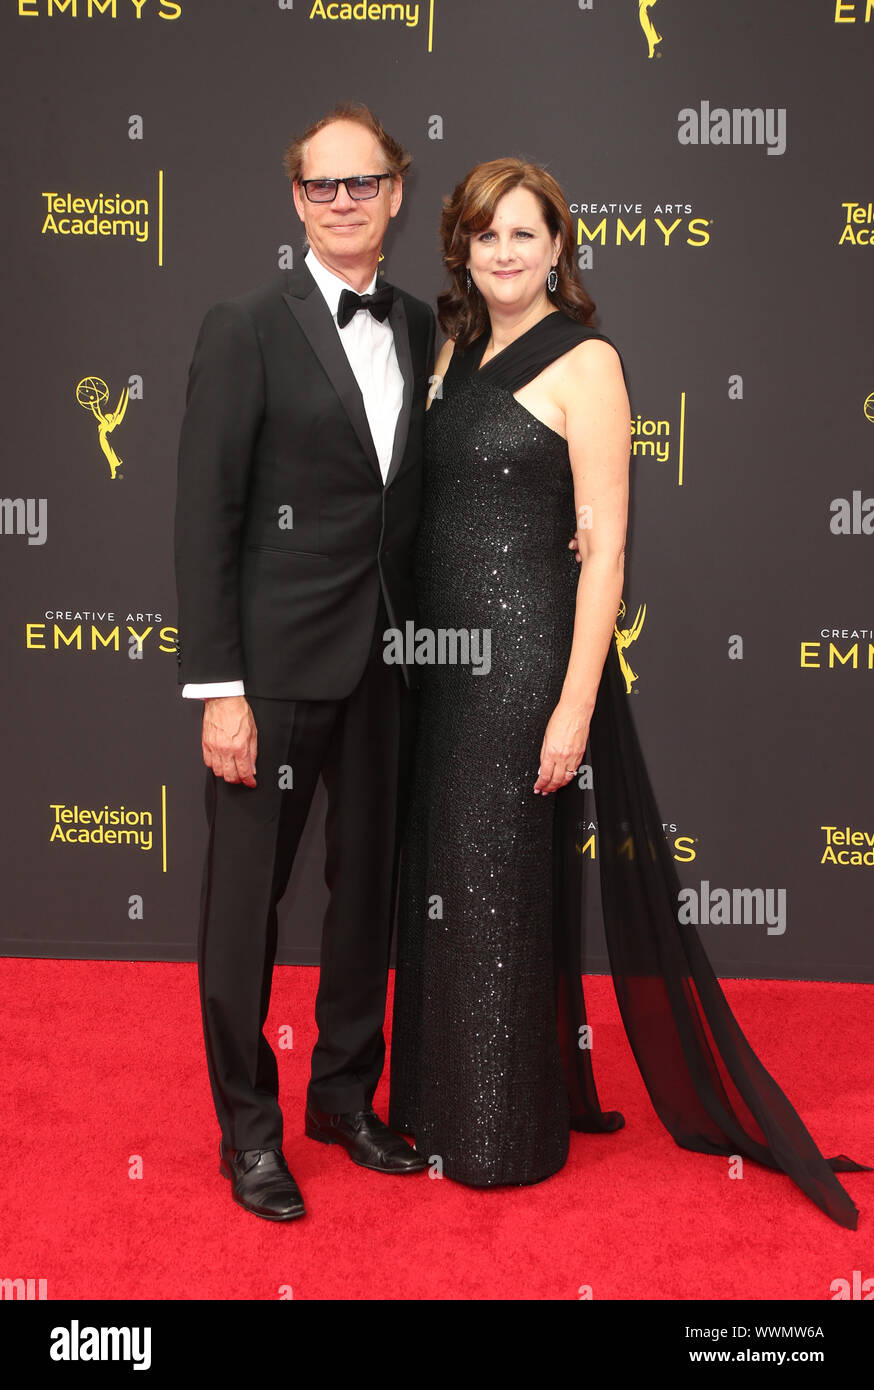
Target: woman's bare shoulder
<point>443,357</point>
<point>593,357</point>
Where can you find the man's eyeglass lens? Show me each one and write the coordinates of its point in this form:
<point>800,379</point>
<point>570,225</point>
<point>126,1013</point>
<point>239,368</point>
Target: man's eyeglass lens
<point>360,187</point>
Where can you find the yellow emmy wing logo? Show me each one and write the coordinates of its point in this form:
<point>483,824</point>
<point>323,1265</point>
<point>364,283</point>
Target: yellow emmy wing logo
<point>624,636</point>
<point>646,24</point>
<point>869,407</point>
<point>92,394</point>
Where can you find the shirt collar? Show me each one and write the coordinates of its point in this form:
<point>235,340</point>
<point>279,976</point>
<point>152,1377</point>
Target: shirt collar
<point>330,284</point>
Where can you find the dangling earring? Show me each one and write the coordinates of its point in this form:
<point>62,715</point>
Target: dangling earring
<point>552,280</point>
<point>469,282</point>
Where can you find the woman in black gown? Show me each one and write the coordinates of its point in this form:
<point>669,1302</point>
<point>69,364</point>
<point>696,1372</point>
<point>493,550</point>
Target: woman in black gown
<point>528,441</point>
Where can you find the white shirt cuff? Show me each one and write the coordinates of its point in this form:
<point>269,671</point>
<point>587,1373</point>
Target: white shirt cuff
<point>213,689</point>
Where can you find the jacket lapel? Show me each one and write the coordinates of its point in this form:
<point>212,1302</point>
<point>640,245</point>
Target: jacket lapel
<point>398,320</point>
<point>309,308</point>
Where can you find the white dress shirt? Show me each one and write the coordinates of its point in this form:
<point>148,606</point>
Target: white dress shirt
<point>370,348</point>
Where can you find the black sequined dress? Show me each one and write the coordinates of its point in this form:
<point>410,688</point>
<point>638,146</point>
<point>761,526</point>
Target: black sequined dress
<point>486,1070</point>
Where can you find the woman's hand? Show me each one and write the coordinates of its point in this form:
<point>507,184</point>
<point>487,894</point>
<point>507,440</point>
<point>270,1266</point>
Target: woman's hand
<point>564,744</point>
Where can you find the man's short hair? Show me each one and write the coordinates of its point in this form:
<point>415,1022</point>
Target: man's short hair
<point>397,159</point>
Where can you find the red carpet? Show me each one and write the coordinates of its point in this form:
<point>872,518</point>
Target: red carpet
<point>103,1062</point>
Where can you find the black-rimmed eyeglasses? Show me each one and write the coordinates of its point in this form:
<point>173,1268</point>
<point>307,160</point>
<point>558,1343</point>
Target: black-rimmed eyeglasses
<point>358,186</point>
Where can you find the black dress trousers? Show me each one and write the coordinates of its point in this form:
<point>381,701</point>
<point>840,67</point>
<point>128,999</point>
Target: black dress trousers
<point>361,747</point>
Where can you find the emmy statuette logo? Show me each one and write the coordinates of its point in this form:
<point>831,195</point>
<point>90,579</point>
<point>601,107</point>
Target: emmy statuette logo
<point>92,393</point>
<point>646,24</point>
<point>624,636</point>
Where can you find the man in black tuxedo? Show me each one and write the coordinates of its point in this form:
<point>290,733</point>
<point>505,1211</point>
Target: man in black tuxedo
<point>298,502</point>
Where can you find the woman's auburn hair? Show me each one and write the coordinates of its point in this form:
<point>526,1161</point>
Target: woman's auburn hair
<point>469,210</point>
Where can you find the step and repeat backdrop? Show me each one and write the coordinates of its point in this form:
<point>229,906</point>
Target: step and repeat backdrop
<point>716,160</point>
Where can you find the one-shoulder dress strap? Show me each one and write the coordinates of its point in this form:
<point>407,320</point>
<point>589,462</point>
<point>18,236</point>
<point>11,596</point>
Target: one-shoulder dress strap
<point>550,338</point>
<point>514,366</point>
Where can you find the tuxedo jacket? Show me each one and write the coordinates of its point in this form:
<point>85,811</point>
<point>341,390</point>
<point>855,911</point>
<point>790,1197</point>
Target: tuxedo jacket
<point>285,532</point>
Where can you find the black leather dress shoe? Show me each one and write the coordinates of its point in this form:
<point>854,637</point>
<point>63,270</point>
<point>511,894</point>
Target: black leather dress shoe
<point>261,1182</point>
<point>368,1142</point>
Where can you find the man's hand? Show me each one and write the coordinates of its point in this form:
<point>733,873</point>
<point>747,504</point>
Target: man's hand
<point>574,545</point>
<point>230,739</point>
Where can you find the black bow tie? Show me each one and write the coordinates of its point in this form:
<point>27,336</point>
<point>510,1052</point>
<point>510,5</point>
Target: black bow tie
<point>378,304</point>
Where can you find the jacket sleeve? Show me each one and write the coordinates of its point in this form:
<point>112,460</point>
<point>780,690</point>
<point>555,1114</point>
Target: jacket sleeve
<point>224,410</point>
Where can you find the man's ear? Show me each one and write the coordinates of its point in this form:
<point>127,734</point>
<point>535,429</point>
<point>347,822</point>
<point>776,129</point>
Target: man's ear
<point>298,196</point>
<point>397,195</point>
